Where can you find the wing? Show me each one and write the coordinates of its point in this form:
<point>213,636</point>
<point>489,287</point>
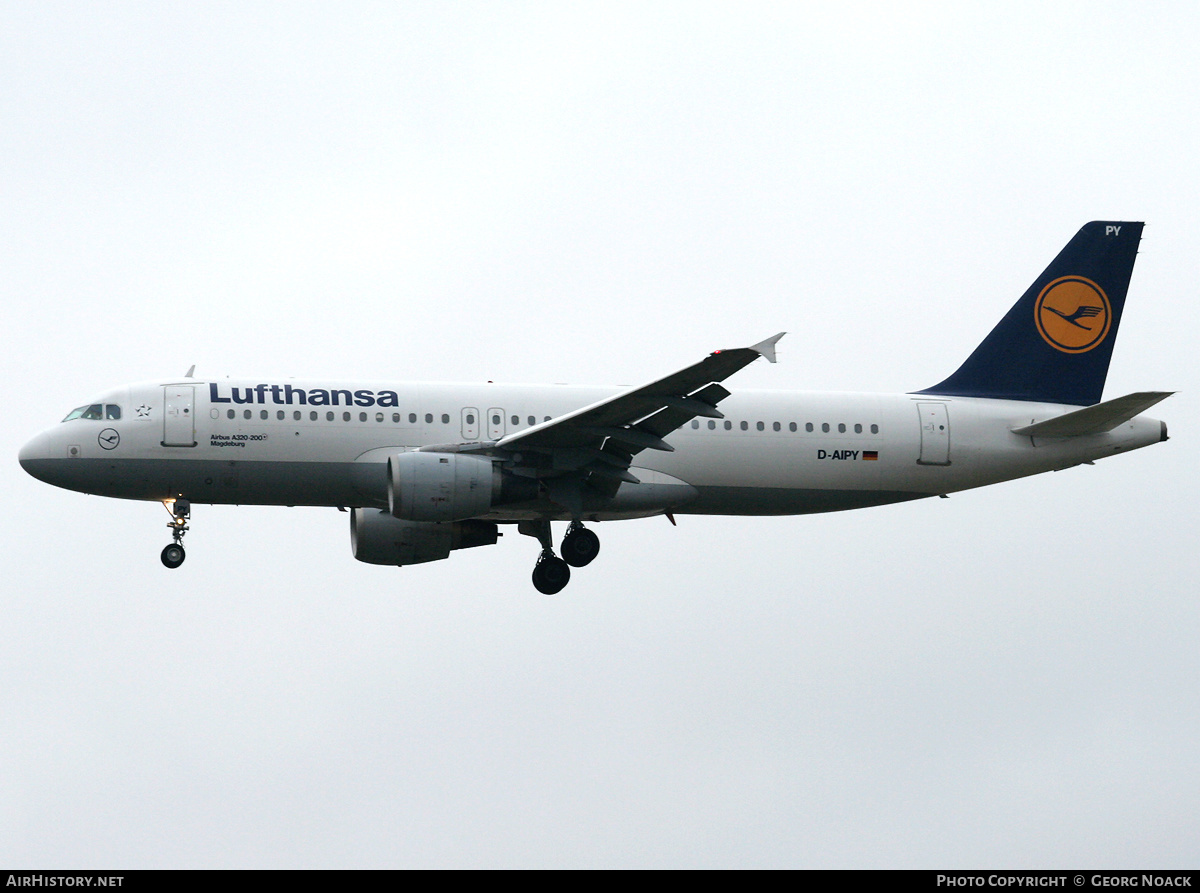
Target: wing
<point>596,444</point>
<point>639,417</point>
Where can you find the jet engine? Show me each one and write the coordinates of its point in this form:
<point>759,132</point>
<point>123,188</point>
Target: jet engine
<point>427,486</point>
<point>378,538</point>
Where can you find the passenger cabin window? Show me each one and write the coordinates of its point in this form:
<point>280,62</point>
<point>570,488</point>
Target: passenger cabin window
<point>412,418</point>
<point>445,418</point>
<point>429,418</point>
<point>808,427</point>
<point>874,429</point>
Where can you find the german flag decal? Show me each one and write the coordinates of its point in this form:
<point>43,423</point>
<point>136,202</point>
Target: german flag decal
<point>870,455</point>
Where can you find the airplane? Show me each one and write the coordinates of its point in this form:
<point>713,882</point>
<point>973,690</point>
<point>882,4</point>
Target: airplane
<point>425,469</point>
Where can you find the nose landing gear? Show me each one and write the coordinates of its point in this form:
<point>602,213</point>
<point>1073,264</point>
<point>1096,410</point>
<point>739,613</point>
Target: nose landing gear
<point>181,510</point>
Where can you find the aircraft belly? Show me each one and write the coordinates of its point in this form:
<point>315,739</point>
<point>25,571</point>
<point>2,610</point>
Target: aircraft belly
<point>214,481</point>
<point>778,501</point>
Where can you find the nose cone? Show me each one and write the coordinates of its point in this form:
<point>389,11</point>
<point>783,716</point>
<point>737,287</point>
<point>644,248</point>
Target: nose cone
<point>35,457</point>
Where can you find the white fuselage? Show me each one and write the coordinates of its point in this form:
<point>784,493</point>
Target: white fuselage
<point>775,452</point>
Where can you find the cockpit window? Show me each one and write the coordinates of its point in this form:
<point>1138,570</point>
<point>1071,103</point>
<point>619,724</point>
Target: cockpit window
<point>112,411</point>
<point>94,412</point>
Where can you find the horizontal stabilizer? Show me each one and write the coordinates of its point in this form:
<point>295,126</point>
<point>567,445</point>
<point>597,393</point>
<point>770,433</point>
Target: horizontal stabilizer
<point>1095,419</point>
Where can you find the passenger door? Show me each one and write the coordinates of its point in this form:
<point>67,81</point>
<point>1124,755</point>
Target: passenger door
<point>935,434</point>
<point>179,415</point>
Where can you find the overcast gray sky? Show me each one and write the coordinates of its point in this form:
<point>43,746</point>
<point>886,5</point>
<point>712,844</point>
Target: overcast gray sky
<point>595,193</point>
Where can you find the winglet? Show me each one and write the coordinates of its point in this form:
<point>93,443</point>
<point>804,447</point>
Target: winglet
<point>191,371</point>
<point>767,348</point>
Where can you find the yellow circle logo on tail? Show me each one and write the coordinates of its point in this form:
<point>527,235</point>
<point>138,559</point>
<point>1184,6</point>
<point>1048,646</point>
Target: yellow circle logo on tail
<point>1073,314</point>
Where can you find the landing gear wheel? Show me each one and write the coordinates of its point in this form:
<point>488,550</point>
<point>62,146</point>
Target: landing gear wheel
<point>173,555</point>
<point>580,546</point>
<point>551,575</point>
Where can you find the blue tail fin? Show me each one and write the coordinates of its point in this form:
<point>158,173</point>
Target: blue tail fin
<point>1054,345</point>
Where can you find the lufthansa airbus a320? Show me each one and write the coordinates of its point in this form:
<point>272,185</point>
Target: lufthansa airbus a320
<point>430,468</point>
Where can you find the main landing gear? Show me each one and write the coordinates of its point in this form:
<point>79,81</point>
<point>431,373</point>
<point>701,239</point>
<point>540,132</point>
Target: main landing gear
<point>551,573</point>
<point>181,510</point>
<point>580,545</point>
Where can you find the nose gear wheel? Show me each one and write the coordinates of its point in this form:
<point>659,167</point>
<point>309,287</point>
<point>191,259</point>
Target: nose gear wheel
<point>172,555</point>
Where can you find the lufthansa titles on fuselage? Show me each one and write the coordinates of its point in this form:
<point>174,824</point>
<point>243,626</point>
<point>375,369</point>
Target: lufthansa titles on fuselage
<point>287,395</point>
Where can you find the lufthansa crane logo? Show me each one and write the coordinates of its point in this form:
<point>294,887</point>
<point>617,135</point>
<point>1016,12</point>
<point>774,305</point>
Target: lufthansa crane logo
<point>108,439</point>
<point>1073,314</point>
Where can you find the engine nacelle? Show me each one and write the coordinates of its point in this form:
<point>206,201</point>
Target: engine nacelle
<point>378,538</point>
<point>440,486</point>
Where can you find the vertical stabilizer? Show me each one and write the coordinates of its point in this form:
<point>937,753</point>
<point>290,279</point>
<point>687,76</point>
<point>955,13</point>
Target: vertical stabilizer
<point>1054,345</point>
